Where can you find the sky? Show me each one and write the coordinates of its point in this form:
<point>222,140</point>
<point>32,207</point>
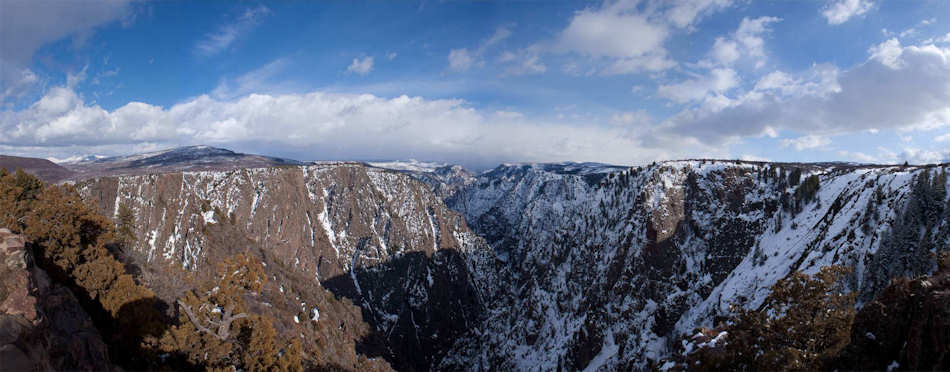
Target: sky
<point>480,83</point>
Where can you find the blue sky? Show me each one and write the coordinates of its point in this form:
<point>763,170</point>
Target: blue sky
<point>479,83</point>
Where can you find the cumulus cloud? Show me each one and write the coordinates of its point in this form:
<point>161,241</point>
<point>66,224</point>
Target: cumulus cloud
<point>361,66</point>
<point>747,41</point>
<point>321,125</point>
<point>619,32</point>
<point>908,87</point>
<point>222,38</point>
<point>840,11</point>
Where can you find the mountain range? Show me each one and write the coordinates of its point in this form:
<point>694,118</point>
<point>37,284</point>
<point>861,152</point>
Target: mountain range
<point>571,266</point>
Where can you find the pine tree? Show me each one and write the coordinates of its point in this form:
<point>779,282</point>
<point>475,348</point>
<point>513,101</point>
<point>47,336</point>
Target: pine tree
<point>215,330</point>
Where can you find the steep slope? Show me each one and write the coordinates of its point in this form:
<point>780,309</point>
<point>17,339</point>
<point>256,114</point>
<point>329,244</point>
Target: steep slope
<point>42,325</point>
<point>41,168</point>
<point>378,238</point>
<point>607,271</point>
<point>189,158</point>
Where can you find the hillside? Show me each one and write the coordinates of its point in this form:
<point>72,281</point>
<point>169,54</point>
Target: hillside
<point>189,158</point>
<point>41,168</point>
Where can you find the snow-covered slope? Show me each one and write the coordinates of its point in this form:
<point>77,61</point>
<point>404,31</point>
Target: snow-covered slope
<point>608,272</point>
<point>188,158</point>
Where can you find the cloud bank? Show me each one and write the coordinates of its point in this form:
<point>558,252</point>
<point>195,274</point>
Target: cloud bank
<point>321,125</point>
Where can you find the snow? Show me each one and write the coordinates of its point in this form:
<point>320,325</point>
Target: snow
<point>607,351</point>
<point>296,319</point>
<point>893,366</point>
<point>316,314</point>
<point>208,217</point>
<point>409,165</point>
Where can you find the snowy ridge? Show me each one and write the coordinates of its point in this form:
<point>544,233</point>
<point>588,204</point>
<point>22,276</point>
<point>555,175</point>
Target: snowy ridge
<point>642,256</point>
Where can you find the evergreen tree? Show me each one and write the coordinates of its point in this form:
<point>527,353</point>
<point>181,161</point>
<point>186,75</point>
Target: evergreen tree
<point>215,330</point>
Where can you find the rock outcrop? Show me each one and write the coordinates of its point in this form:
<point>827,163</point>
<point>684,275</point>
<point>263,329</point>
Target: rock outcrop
<point>42,325</point>
<point>907,327</point>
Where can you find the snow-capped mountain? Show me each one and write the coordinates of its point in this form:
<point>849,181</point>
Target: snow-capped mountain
<point>188,158</point>
<point>572,266</point>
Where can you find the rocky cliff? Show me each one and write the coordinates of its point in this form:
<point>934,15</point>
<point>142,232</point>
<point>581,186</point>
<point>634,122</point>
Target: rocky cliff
<point>570,266</point>
<point>608,268</point>
<point>42,325</point>
<point>376,238</point>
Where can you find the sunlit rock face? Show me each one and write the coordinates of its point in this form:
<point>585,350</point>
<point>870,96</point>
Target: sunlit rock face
<point>378,239</point>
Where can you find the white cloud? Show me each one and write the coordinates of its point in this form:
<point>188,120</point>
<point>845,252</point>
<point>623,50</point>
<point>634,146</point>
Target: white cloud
<point>840,11</point>
<point>749,157</point>
<point>391,56</point>
<point>718,81</point>
<point>463,59</point>
<point>627,37</point>
<point>918,156</point>
<point>906,88</point>
<point>25,26</point>
<point>806,142</point>
<point>638,118</point>
<point>684,12</point>
<point>858,156</point>
<point>746,41</point>
<point>361,66</point>
<point>259,80</point>
<point>887,53</point>
<point>321,125</point>
<point>942,138</point>
<point>725,51</point>
<point>522,62</point>
<point>216,42</point>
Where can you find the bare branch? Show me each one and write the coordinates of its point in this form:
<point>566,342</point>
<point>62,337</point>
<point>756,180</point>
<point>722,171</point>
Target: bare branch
<point>195,321</point>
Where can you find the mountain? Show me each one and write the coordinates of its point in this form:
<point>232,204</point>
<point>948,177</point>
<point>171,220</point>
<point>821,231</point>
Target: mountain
<point>189,158</point>
<point>575,266</point>
<point>41,168</point>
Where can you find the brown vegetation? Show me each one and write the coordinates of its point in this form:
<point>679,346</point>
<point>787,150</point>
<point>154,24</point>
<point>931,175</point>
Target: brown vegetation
<point>804,323</point>
<point>72,242</point>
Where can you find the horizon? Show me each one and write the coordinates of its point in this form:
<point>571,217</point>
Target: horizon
<point>480,84</point>
<point>395,163</point>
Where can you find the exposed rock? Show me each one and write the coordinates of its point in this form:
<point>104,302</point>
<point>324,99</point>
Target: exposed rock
<point>374,237</point>
<point>42,325</point>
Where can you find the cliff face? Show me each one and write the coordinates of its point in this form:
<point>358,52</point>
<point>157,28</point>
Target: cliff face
<point>379,239</point>
<point>42,325</point>
<point>574,266</point>
<point>610,269</point>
